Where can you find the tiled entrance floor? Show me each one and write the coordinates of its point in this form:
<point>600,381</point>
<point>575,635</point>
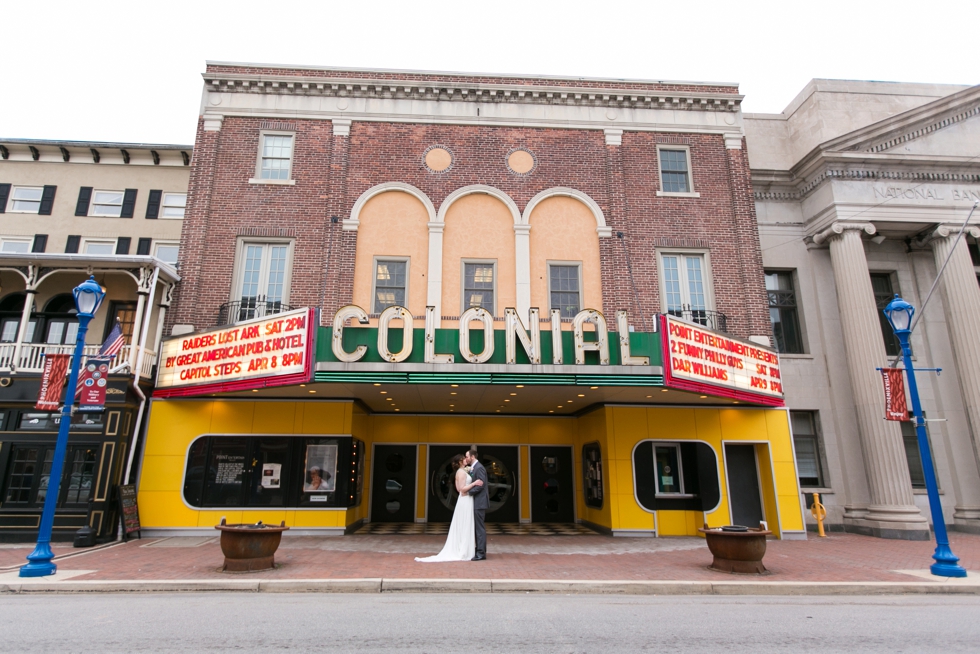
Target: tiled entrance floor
<point>493,529</point>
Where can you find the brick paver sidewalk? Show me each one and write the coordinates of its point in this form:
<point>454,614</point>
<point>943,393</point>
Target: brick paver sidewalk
<point>840,557</point>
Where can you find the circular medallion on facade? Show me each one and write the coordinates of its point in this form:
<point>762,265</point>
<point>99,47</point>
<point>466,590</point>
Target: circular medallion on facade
<point>612,114</point>
<point>438,159</point>
<point>520,161</point>
<point>342,104</point>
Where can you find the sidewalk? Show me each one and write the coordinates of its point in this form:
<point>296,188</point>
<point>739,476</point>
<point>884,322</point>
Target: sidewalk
<point>841,563</point>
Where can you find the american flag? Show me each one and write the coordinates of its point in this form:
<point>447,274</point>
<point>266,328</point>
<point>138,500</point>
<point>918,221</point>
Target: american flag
<point>114,342</point>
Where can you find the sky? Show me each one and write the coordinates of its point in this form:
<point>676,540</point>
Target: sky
<point>131,71</point>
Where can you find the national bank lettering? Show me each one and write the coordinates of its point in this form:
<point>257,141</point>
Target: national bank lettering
<point>395,266</point>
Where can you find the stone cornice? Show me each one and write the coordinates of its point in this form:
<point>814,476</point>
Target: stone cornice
<point>90,152</point>
<point>460,91</point>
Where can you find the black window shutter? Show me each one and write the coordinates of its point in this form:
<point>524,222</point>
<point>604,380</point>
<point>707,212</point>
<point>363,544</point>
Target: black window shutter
<point>153,204</point>
<point>143,246</point>
<point>47,200</point>
<point>40,243</point>
<point>122,245</point>
<point>129,203</point>
<point>84,197</point>
<point>71,247</point>
<point>4,194</point>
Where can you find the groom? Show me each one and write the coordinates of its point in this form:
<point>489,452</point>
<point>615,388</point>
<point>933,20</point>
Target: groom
<point>481,502</point>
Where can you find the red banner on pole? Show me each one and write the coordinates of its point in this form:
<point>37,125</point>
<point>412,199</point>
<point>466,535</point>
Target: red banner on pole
<point>895,406</point>
<point>92,384</point>
<point>52,381</point>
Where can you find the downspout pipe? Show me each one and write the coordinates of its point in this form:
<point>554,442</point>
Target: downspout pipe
<point>145,328</point>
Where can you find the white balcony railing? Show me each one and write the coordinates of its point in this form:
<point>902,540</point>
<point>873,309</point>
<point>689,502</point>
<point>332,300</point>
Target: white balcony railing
<point>32,356</point>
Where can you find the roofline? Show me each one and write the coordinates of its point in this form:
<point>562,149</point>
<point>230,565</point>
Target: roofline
<point>169,272</point>
<point>411,71</point>
<point>99,144</point>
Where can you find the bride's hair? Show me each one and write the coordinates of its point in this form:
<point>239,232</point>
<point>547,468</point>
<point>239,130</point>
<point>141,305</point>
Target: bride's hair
<point>458,462</point>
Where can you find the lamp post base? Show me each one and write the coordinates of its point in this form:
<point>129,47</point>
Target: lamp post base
<point>40,562</point>
<point>947,563</point>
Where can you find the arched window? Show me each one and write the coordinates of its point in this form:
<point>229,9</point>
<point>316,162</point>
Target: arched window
<point>60,321</point>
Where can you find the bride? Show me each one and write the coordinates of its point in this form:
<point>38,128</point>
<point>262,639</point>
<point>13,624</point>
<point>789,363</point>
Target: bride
<point>461,541</point>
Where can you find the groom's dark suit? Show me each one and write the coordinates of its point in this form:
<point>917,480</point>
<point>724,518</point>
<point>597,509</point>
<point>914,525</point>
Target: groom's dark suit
<point>481,502</point>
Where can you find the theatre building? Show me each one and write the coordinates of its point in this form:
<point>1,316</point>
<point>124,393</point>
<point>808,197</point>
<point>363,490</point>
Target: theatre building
<point>383,268</point>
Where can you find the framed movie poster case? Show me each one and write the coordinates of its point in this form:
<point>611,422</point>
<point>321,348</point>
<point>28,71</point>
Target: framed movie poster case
<point>320,468</point>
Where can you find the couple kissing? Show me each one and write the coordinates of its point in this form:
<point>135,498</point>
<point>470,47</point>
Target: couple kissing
<point>467,539</point>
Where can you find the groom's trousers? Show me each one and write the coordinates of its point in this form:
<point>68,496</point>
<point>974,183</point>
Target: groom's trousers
<point>481,532</point>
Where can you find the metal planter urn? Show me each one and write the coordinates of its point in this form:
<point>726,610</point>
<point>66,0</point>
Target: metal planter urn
<point>737,549</point>
<point>249,548</point>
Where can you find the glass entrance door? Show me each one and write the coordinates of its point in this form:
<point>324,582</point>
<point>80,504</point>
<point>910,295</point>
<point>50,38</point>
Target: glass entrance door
<point>552,495</point>
<point>502,475</point>
<point>393,484</point>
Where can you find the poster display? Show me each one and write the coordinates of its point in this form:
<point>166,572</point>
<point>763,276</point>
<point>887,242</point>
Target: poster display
<point>270,351</point>
<point>320,468</point>
<point>271,473</point>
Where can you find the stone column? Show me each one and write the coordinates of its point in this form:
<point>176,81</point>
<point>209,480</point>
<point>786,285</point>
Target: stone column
<point>892,512</point>
<point>961,304</point>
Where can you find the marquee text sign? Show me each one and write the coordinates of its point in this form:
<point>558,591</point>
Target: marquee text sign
<point>270,351</point>
<point>695,356</point>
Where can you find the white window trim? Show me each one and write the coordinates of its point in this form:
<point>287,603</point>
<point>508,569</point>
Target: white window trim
<point>89,241</point>
<point>239,272</point>
<point>157,244</point>
<point>92,203</point>
<point>374,278</point>
<point>709,287</point>
<point>462,285</point>
<point>257,178</point>
<point>680,472</point>
<point>581,291</point>
<point>163,205</point>
<point>17,239</point>
<point>690,173</point>
<point>10,200</point>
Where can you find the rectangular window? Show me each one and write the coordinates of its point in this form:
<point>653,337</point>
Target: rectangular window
<point>807,444</point>
<point>99,247</point>
<point>107,203</point>
<point>390,283</point>
<point>685,290</point>
<point>173,205</point>
<point>674,171</point>
<point>564,285</point>
<point>884,290</point>
<point>670,476</point>
<point>25,199</point>
<point>125,313</point>
<point>277,155</point>
<point>478,285</point>
<point>783,312</point>
<point>263,280</point>
<point>914,457</point>
<point>167,252</point>
<point>18,245</point>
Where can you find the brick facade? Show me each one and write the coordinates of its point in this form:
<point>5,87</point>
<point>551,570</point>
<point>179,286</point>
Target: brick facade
<point>332,171</point>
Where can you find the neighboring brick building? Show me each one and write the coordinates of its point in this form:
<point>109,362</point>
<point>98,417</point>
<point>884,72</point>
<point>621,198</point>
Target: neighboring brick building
<point>463,198</point>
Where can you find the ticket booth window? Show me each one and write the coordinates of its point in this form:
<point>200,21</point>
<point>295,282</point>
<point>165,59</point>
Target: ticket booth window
<point>670,476</point>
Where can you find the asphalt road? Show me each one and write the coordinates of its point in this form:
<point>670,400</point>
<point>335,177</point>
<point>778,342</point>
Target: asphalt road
<point>451,623</point>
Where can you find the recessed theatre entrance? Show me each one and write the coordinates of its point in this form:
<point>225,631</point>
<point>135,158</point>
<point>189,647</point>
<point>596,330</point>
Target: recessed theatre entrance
<point>501,464</point>
<point>393,484</point>
<point>743,485</point>
<point>552,495</point>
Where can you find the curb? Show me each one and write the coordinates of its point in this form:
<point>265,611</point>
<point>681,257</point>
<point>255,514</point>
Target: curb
<point>378,585</point>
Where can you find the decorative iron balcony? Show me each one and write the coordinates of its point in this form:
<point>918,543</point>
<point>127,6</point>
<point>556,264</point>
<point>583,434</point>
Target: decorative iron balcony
<point>711,319</point>
<point>248,308</point>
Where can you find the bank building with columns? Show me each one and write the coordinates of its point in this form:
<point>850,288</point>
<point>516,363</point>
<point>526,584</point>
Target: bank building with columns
<point>381,269</point>
<point>861,189</point>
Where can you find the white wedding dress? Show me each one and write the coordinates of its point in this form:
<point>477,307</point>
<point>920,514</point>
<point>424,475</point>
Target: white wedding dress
<point>461,541</point>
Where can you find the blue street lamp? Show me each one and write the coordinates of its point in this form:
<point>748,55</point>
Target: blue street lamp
<point>899,314</point>
<point>88,298</point>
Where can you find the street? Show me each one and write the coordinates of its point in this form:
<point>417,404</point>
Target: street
<point>392,622</point>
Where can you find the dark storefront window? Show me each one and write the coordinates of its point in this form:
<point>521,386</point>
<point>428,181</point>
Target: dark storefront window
<point>29,472</point>
<point>884,290</point>
<point>807,445</point>
<point>273,472</point>
<point>783,312</point>
<point>39,421</point>
<point>676,476</point>
<point>592,473</point>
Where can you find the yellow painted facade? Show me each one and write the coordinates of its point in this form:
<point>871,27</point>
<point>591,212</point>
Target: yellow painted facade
<point>175,424</point>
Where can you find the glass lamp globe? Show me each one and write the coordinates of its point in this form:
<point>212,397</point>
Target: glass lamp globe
<point>899,314</point>
<point>88,297</point>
